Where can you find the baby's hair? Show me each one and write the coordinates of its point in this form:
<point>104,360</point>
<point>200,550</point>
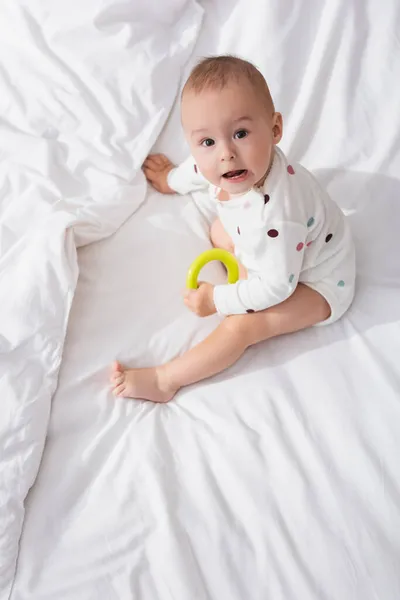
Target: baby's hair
<point>215,72</point>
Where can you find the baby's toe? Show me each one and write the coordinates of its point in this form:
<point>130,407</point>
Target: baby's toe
<point>116,366</point>
<point>114,376</point>
<point>119,389</point>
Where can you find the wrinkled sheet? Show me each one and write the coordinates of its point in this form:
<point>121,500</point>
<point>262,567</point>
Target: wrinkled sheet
<point>85,89</point>
<point>278,478</point>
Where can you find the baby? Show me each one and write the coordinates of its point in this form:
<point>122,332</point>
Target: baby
<point>292,241</point>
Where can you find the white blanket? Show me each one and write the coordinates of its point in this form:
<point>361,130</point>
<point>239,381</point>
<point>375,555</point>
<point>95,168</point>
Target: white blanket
<point>275,480</point>
<point>85,88</point>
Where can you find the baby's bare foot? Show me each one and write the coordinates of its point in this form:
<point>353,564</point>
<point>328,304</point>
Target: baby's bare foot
<point>146,384</point>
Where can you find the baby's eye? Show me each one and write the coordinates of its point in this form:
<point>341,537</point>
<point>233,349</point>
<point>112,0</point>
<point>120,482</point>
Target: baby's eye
<point>242,133</point>
<point>208,142</point>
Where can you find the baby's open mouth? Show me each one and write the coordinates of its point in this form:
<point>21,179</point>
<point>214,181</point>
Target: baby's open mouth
<point>235,174</point>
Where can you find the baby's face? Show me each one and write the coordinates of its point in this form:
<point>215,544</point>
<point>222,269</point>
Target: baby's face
<point>231,135</point>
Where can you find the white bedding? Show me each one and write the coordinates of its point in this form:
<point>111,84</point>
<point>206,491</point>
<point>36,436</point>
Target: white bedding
<point>275,480</point>
<point>85,89</point>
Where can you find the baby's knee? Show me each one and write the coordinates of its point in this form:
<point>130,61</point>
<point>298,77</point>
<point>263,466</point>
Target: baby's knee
<point>219,237</point>
<point>240,327</point>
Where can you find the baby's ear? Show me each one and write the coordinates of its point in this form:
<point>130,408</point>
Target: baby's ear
<point>277,127</point>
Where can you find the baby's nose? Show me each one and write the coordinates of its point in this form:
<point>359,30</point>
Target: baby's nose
<point>227,153</point>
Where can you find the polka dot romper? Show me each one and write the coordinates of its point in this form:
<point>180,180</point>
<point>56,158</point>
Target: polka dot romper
<point>286,232</point>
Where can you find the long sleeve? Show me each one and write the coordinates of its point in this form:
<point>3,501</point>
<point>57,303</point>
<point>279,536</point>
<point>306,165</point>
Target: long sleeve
<point>187,178</point>
<point>278,254</point>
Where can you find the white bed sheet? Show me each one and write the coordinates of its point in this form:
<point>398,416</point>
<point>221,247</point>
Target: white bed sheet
<point>84,92</point>
<point>279,478</point>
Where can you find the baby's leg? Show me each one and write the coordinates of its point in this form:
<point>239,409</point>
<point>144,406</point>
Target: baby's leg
<point>220,239</point>
<point>222,348</point>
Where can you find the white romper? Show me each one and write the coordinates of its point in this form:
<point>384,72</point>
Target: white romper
<point>286,232</point>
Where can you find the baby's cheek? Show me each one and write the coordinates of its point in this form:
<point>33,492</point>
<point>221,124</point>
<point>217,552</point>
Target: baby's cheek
<point>264,160</point>
<point>261,152</point>
<point>209,172</point>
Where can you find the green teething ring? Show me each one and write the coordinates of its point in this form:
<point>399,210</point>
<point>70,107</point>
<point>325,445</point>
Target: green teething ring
<point>223,256</point>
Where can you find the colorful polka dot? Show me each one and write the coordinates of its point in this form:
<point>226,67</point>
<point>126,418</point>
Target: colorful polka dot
<point>246,205</point>
<point>238,230</point>
<point>310,222</point>
<point>195,168</point>
<point>291,278</point>
<point>273,233</point>
<point>341,283</point>
<point>266,198</point>
<point>290,170</point>
<point>309,244</point>
<point>328,237</point>
<point>249,310</point>
<point>299,246</point>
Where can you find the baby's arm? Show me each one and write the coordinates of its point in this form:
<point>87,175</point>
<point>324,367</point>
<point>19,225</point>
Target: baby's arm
<point>277,275</point>
<point>166,178</point>
<point>187,178</point>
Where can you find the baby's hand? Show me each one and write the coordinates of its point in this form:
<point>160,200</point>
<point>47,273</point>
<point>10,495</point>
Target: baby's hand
<point>156,168</point>
<point>201,301</point>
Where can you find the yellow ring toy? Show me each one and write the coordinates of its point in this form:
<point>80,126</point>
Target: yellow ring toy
<point>223,256</point>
